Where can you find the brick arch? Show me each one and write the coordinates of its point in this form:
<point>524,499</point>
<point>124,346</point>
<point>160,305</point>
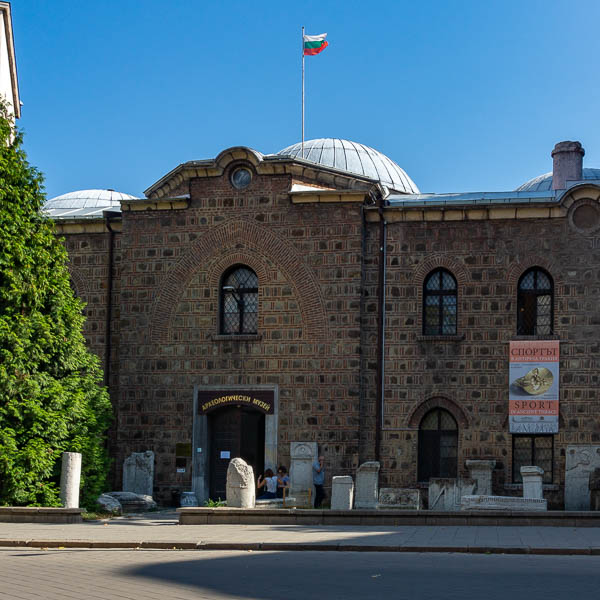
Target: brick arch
<point>517,269</point>
<point>256,239</point>
<point>79,282</point>
<point>420,410</point>
<point>256,261</point>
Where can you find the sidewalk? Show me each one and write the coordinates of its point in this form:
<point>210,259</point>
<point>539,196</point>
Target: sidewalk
<point>162,531</point>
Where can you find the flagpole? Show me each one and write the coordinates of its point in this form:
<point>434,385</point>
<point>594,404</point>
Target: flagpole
<point>302,92</point>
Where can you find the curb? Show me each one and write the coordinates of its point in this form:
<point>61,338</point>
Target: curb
<point>292,547</point>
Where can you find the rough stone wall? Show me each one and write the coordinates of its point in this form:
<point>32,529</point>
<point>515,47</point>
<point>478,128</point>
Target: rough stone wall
<point>308,261</point>
<point>468,374</point>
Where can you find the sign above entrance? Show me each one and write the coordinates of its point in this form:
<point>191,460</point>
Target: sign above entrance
<point>261,400</point>
<point>533,392</point>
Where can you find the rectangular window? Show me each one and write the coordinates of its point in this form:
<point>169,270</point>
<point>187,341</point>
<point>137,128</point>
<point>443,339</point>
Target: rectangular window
<point>533,450</point>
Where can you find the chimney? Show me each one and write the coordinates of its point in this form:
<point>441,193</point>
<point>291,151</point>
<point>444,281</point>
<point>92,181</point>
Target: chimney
<point>567,164</point>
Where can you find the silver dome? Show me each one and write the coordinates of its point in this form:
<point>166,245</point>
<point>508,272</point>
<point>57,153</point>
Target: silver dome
<point>84,203</point>
<point>543,183</point>
<point>354,158</point>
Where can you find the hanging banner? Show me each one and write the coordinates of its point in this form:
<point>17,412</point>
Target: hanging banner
<point>533,386</point>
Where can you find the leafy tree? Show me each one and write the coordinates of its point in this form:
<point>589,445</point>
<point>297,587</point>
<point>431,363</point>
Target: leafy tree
<point>51,400</point>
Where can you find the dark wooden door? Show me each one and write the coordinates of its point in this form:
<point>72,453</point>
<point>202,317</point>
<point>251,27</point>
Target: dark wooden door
<point>234,432</point>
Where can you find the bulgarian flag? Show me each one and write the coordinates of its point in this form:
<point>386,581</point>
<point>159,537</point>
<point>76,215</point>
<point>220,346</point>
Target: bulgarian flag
<point>313,44</point>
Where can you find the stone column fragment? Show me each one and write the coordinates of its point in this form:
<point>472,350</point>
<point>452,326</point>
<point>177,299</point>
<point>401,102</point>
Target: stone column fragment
<point>240,488</point>
<point>70,476</point>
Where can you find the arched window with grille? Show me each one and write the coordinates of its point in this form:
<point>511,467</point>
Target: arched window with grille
<point>439,303</point>
<point>535,303</point>
<point>438,445</point>
<point>239,301</point>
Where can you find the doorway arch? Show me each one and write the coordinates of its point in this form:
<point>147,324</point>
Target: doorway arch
<point>438,445</point>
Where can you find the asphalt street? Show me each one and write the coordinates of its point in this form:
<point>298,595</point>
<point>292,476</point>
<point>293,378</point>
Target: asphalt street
<point>179,574</point>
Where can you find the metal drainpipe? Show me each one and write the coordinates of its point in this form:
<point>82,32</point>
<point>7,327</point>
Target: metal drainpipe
<point>109,286</point>
<point>381,329</point>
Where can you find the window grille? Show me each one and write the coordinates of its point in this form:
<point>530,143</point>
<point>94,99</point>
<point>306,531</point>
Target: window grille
<point>439,303</point>
<point>533,450</point>
<point>239,301</point>
<point>438,445</point>
<point>535,303</point>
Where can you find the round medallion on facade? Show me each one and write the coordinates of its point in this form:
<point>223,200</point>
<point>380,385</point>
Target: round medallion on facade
<point>241,178</point>
<point>584,216</point>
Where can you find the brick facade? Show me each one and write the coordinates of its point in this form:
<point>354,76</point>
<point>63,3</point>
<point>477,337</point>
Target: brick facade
<point>317,266</point>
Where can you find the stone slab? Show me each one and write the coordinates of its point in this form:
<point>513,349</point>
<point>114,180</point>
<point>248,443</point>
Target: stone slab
<point>506,503</point>
<point>399,498</point>
<point>342,492</point>
<point>580,464</point>
<point>240,487</point>
<point>367,485</point>
<point>302,457</point>
<point>445,493</point>
<point>138,473</point>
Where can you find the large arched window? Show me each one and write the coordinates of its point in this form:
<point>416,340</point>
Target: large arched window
<point>438,445</point>
<point>439,303</point>
<point>239,301</point>
<point>535,303</point>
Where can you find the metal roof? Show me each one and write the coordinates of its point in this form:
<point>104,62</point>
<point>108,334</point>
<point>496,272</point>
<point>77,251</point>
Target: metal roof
<point>354,158</point>
<point>84,204</point>
<point>543,182</point>
<point>482,198</point>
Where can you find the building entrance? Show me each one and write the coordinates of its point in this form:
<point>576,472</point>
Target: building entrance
<point>234,431</point>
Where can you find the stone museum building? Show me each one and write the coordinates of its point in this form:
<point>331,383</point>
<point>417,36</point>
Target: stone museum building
<point>249,301</point>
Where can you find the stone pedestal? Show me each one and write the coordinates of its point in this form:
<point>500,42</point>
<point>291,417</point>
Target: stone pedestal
<point>302,456</point>
<point>532,482</point>
<point>240,488</point>
<point>367,485</point>
<point>481,472</point>
<point>445,494</point>
<point>342,493</point>
<point>138,473</point>
<point>581,462</point>
<point>70,476</point>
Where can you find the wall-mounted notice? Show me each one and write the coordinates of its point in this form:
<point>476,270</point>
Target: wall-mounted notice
<point>225,454</point>
<point>533,386</point>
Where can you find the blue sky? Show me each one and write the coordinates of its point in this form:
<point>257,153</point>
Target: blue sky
<point>464,95</point>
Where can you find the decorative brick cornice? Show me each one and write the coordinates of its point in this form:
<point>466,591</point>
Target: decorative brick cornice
<point>259,245</point>
<point>421,409</point>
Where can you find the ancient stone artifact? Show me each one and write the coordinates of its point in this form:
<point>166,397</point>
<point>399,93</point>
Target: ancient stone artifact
<point>445,494</point>
<point>303,455</point>
<point>399,498</point>
<point>70,476</point>
<point>342,492</point>
<point>138,473</point>
<point>508,503</point>
<point>133,502</point>
<point>367,485</point>
<point>595,489</point>
<point>581,462</point>
<point>481,472</point>
<point>241,488</point>
<point>532,482</point>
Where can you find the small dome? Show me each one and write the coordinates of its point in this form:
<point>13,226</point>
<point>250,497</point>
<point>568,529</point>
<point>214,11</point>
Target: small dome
<point>354,158</point>
<point>84,203</point>
<point>543,183</point>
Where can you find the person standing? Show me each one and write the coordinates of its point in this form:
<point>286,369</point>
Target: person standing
<point>318,480</point>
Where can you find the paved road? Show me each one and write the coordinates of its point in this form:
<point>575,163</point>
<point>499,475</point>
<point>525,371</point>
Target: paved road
<point>182,575</point>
